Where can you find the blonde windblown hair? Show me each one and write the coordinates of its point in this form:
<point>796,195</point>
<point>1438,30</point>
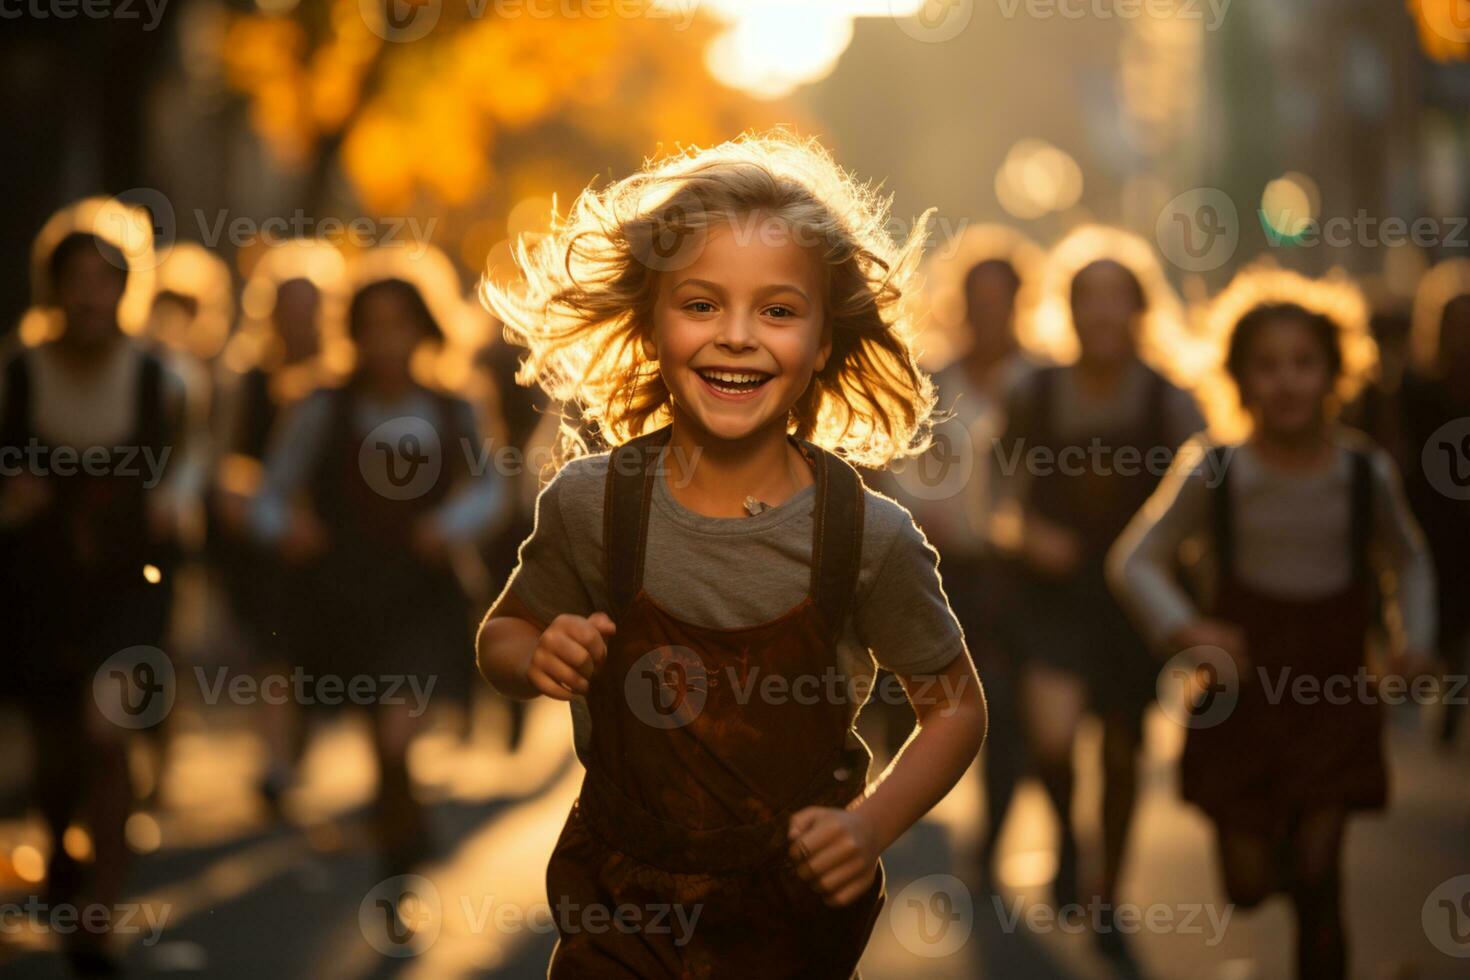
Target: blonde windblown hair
<point>585,305</point>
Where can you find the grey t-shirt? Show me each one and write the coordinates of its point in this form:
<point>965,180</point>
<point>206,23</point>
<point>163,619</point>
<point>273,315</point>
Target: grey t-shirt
<point>1291,536</point>
<point>726,572</point>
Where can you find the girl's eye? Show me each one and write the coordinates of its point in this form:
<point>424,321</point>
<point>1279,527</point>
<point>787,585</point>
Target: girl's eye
<point>700,306</point>
<point>780,312</point>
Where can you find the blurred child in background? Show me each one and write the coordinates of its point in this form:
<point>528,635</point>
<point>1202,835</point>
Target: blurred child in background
<point>1084,446</point>
<point>278,356</point>
<point>90,543</point>
<point>374,490</point>
<point>1297,520</point>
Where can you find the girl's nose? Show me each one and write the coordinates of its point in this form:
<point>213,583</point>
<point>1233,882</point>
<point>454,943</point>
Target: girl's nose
<point>735,333</point>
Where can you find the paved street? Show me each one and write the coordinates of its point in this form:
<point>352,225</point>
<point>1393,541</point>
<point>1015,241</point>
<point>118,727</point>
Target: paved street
<point>236,895</point>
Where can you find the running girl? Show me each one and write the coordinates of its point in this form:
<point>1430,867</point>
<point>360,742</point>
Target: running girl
<point>1306,516</point>
<point>729,320</point>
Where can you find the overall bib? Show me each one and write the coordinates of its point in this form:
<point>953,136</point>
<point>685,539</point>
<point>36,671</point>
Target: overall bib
<point>693,772</point>
<point>1276,756</point>
<point>370,605</point>
<point>1075,623</point>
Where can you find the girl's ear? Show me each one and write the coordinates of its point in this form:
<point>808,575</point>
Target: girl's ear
<point>825,351</point>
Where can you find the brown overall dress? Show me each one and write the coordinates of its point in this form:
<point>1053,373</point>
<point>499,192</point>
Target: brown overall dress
<point>1268,763</point>
<point>692,775</point>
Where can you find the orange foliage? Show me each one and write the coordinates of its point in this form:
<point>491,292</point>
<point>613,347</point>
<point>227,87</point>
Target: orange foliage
<point>479,101</point>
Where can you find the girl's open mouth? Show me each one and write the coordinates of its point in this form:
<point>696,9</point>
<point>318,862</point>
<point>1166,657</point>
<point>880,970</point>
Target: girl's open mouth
<point>732,384</point>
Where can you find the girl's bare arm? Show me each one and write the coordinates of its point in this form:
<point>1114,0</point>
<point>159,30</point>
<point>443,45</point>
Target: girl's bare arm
<point>952,716</point>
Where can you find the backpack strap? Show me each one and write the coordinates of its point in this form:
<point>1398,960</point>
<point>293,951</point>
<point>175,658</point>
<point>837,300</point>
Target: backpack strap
<point>1222,532</point>
<point>837,538</point>
<point>626,499</point>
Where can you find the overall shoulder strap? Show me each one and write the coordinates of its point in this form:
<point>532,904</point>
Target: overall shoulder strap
<point>1157,420</point>
<point>15,414</point>
<point>1043,412</point>
<point>152,426</point>
<point>837,537</point>
<point>1360,534</point>
<point>626,498</point>
<point>455,419</point>
<point>1222,531</point>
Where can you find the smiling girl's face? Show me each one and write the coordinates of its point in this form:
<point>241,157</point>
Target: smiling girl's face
<point>739,331</point>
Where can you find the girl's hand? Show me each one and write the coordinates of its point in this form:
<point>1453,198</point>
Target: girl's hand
<point>836,852</point>
<point>569,652</point>
<point>1206,632</point>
